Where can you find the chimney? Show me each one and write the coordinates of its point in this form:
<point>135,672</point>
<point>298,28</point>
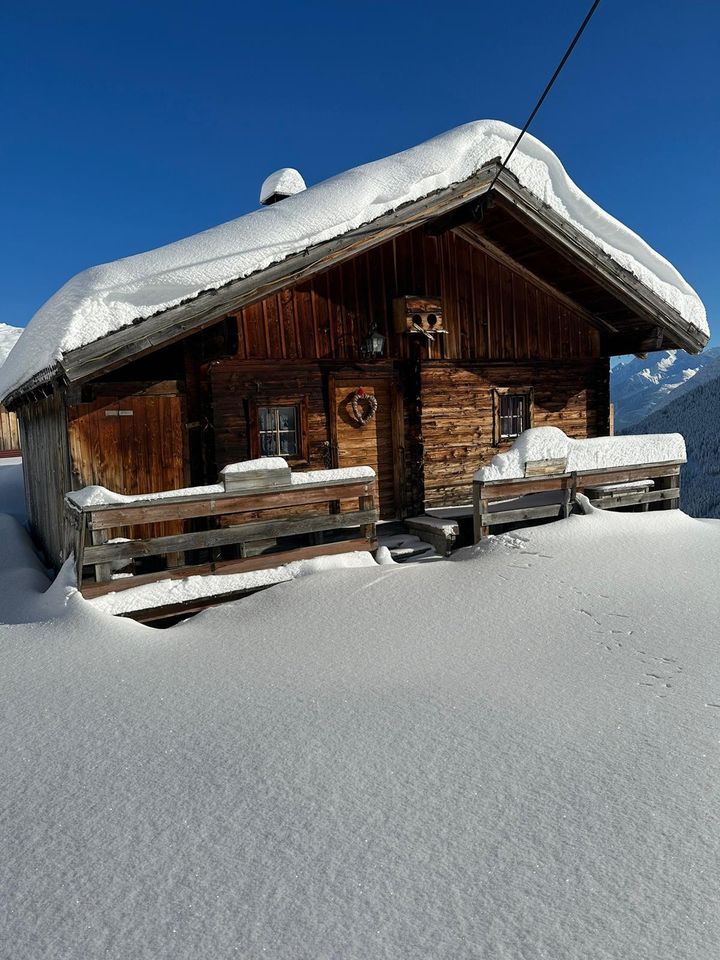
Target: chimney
<point>283,183</point>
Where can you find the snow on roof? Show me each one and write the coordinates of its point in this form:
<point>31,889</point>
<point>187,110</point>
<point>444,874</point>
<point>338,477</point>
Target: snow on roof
<point>283,183</point>
<point>106,298</point>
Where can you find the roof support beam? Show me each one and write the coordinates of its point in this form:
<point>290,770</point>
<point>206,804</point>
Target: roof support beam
<point>562,236</point>
<point>471,235</point>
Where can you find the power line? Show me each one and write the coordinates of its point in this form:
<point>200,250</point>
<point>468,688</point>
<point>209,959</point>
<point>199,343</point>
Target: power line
<point>546,91</point>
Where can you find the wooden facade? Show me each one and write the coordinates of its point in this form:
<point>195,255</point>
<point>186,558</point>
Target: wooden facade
<point>9,433</point>
<point>174,417</point>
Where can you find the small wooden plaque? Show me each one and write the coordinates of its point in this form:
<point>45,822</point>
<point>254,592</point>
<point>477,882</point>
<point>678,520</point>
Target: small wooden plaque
<point>545,468</point>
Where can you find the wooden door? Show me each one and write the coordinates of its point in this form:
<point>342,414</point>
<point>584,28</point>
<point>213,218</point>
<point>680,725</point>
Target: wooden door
<point>375,444</point>
<point>131,445</point>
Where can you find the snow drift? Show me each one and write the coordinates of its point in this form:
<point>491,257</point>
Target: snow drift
<point>109,297</point>
<point>509,755</point>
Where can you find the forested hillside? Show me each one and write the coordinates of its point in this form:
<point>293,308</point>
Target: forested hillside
<point>696,415</point>
<point>640,387</point>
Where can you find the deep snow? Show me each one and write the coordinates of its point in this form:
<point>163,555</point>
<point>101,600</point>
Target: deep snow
<point>113,295</point>
<point>8,338</point>
<point>512,754</point>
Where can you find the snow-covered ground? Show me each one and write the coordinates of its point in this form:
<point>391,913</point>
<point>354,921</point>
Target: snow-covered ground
<point>8,338</point>
<point>511,754</point>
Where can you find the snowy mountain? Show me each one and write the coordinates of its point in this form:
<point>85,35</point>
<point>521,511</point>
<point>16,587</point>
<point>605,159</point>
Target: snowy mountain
<point>696,415</point>
<point>8,337</point>
<point>640,387</point>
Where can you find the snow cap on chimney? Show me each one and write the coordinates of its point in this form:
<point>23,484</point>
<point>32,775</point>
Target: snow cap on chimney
<point>283,183</point>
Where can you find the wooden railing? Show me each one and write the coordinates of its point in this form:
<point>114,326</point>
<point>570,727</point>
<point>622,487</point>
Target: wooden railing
<point>498,502</point>
<point>213,524</point>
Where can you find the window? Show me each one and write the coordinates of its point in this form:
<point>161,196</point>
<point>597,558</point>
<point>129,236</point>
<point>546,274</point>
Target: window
<point>278,427</point>
<point>278,431</point>
<point>513,415</point>
<point>513,412</point>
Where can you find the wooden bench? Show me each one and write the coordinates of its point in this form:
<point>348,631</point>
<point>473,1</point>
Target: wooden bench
<point>502,502</point>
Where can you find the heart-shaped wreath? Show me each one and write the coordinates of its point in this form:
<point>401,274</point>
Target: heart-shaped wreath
<point>370,410</point>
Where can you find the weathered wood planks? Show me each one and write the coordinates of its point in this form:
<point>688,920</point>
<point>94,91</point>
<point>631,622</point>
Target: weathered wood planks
<point>261,536</point>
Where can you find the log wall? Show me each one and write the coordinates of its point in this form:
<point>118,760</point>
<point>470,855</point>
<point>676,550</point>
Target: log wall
<point>43,437</point>
<point>457,415</point>
<point>234,384</point>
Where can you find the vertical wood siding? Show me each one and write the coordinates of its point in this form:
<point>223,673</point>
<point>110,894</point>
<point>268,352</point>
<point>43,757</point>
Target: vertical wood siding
<point>492,312</point>
<point>9,430</point>
<point>46,469</point>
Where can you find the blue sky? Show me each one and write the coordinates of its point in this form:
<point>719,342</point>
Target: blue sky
<point>129,125</point>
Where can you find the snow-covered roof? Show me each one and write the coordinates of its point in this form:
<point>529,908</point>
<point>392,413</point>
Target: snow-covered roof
<point>106,298</point>
<point>8,338</point>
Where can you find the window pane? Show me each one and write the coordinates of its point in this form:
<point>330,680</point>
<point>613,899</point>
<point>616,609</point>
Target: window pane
<point>286,418</point>
<point>288,444</point>
<point>268,445</point>
<point>278,431</point>
<point>266,418</point>
<point>514,410</point>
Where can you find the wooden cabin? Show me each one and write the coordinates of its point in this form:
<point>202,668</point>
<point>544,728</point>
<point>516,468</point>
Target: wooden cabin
<point>494,314</point>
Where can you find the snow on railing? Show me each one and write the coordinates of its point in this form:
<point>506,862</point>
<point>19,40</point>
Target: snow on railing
<point>540,476</point>
<point>550,444</point>
<point>259,517</point>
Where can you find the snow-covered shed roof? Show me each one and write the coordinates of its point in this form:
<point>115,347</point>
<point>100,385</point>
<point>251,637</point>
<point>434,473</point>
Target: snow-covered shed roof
<point>104,299</point>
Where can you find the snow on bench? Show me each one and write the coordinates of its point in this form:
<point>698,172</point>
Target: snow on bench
<point>438,532</point>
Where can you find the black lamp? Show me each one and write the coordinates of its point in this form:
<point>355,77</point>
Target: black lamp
<point>374,343</point>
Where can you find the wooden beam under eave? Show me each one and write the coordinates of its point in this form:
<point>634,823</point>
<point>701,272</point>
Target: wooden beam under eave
<point>472,235</point>
<point>562,236</point>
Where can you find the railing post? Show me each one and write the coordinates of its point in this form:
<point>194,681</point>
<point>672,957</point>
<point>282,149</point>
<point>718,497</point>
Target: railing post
<point>80,548</point>
<point>367,502</point>
<point>480,505</point>
<point>103,571</point>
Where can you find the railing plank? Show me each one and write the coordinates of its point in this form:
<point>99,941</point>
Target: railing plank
<point>492,492</point>
<point>155,511</point>
<point>499,489</point>
<point>523,513</point>
<point>632,499</point>
<point>264,562</point>
<point>226,536</point>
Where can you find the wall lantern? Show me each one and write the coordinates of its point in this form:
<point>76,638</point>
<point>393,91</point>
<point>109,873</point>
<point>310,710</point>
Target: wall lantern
<point>374,343</point>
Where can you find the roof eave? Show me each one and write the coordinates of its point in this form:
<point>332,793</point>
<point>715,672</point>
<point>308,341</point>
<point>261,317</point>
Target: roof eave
<point>167,326</point>
<point>147,334</point>
<point>567,239</point>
